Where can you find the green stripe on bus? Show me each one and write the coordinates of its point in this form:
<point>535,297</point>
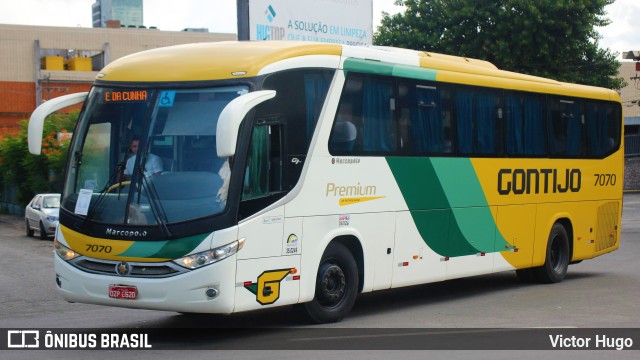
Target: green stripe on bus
<point>168,249</point>
<point>447,205</point>
<point>414,72</point>
<point>368,66</point>
<point>383,68</point>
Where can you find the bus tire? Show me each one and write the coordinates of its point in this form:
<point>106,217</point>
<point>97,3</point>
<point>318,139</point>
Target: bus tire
<point>557,257</point>
<point>336,285</point>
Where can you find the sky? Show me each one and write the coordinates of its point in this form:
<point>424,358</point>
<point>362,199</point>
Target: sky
<point>623,34</point>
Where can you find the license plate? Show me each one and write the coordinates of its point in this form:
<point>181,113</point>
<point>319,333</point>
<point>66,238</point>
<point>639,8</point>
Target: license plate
<point>123,292</point>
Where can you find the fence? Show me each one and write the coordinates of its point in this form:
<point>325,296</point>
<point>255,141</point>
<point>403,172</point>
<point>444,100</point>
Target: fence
<point>632,145</point>
<point>8,202</point>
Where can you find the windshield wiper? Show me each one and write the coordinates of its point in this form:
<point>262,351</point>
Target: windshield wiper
<point>156,208</point>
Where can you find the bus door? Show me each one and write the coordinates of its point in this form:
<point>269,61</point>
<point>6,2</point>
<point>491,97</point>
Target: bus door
<point>270,259</point>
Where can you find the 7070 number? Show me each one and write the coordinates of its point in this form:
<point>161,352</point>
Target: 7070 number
<point>99,248</point>
<point>605,179</point>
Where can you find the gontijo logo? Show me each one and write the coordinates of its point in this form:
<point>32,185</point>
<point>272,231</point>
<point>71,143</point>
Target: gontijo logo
<point>267,289</point>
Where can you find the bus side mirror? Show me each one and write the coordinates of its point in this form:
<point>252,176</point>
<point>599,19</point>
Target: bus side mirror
<point>231,117</point>
<point>36,123</point>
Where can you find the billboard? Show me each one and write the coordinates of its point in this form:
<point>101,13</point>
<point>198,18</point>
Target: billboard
<point>331,21</point>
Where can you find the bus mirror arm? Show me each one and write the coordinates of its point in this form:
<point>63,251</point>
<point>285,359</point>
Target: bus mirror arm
<point>36,122</point>
<point>231,117</point>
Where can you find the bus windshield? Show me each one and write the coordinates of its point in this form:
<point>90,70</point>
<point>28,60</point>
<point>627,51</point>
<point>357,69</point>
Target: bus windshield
<point>144,156</point>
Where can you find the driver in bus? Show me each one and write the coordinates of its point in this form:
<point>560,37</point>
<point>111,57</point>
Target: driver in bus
<point>153,165</point>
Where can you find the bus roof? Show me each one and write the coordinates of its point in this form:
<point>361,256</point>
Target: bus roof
<point>233,59</point>
<point>209,61</point>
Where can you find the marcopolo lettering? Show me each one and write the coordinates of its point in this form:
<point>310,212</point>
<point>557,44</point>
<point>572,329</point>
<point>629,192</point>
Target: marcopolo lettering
<point>130,233</point>
<point>536,181</point>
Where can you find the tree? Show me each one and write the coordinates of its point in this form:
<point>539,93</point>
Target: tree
<point>32,174</point>
<point>550,38</point>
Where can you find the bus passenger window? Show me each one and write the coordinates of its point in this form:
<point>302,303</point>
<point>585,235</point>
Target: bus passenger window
<point>525,124</point>
<point>366,105</point>
<point>567,129</point>
<point>478,121</point>
<point>344,132</point>
<point>378,125</point>
<point>603,129</point>
<point>425,121</point>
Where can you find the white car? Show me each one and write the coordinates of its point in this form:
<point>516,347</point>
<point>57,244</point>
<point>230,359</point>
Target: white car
<point>42,215</point>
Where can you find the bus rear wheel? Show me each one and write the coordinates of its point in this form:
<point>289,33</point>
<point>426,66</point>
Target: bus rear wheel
<point>557,257</point>
<point>336,285</point>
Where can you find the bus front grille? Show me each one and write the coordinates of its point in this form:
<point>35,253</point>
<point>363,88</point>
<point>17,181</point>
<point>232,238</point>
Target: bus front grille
<point>135,269</point>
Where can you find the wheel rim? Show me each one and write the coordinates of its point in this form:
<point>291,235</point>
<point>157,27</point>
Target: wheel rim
<point>332,286</point>
<point>558,255</point>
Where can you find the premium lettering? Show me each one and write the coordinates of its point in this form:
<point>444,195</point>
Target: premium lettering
<point>538,181</point>
<point>354,190</point>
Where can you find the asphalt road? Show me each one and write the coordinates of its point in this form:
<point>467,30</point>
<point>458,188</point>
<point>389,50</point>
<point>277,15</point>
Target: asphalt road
<point>600,293</point>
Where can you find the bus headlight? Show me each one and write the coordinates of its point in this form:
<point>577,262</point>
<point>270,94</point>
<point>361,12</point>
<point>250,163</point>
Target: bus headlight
<point>64,252</point>
<point>195,261</point>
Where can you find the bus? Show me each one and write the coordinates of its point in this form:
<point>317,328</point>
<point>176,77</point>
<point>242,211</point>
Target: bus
<point>308,173</point>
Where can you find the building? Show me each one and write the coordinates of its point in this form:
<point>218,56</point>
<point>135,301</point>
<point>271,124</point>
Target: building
<point>630,94</point>
<point>128,12</point>
<point>39,63</point>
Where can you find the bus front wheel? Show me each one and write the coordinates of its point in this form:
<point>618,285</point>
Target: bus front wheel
<point>557,257</point>
<point>336,285</point>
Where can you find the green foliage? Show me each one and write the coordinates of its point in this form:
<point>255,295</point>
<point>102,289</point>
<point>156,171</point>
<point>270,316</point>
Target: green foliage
<point>550,38</point>
<point>32,174</point>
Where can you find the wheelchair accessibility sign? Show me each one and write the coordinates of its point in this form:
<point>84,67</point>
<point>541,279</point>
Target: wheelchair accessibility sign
<point>166,98</point>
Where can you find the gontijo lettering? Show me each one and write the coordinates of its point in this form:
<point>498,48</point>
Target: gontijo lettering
<point>536,181</point>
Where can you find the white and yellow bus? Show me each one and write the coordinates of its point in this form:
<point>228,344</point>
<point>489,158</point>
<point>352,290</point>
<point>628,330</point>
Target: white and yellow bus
<point>276,173</point>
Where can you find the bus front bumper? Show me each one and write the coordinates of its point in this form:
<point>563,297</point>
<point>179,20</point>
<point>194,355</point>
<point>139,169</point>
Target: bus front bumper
<point>188,292</point>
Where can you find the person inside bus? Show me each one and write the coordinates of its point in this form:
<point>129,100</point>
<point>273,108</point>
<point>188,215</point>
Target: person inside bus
<point>153,165</point>
<point>344,132</point>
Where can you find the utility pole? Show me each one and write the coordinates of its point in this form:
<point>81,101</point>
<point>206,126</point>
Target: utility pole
<point>243,19</point>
